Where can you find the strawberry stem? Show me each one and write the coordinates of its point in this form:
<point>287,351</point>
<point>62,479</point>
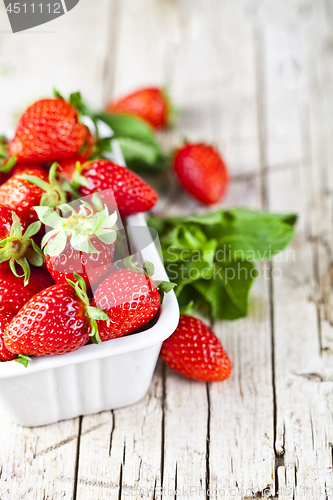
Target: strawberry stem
<point>78,228</point>
<point>93,313</point>
<point>54,194</point>
<point>20,248</point>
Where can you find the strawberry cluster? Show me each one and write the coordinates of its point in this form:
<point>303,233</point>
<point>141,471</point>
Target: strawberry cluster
<point>59,285</point>
<point>61,204</point>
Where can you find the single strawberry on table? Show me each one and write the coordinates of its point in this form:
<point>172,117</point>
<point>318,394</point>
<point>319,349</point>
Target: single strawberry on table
<point>29,187</point>
<point>5,319</point>
<point>14,294</point>
<point>130,298</point>
<point>151,104</point>
<point>132,194</point>
<point>17,247</point>
<point>194,351</point>
<point>56,320</point>
<point>82,243</point>
<point>47,130</point>
<point>201,171</point>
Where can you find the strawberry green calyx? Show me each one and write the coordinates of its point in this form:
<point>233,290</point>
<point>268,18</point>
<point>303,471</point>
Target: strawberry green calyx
<point>54,193</point>
<point>6,162</point>
<point>23,359</point>
<point>75,99</point>
<point>79,180</point>
<point>21,249</point>
<point>77,228</point>
<point>163,287</point>
<point>92,312</point>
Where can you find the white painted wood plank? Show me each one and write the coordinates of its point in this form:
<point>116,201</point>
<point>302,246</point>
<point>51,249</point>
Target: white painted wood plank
<point>38,463</point>
<point>214,79</point>
<point>303,398</point>
<point>120,451</point>
<point>68,54</point>
<point>241,408</point>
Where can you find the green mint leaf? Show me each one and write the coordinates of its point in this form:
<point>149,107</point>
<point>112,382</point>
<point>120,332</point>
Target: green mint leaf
<point>227,292</point>
<point>252,235</point>
<point>211,256</point>
<point>134,149</point>
<point>129,126</point>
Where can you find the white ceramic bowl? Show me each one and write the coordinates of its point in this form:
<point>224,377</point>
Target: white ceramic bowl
<point>96,377</point>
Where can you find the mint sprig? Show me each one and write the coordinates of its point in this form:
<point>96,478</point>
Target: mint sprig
<point>212,257</point>
<point>137,141</point>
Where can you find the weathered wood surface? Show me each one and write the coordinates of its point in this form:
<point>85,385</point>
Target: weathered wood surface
<point>256,78</point>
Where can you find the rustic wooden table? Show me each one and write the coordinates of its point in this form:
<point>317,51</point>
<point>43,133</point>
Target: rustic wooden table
<point>256,78</point>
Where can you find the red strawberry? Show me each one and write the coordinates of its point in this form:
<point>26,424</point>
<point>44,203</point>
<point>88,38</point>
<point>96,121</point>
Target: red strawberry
<point>6,220</point>
<point>29,187</point>
<point>194,351</point>
<point>55,321</point>
<point>202,172</point>
<point>20,195</point>
<point>16,246</point>
<point>67,168</point>
<point>150,104</point>
<point>130,299</point>
<point>82,243</point>
<point>132,194</point>
<point>18,168</point>
<point>13,293</point>
<point>49,129</point>
<point>5,319</point>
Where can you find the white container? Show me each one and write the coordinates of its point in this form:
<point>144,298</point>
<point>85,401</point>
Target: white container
<point>96,377</point>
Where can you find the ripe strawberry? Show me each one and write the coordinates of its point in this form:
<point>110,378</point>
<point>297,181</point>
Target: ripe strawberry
<point>130,299</point>
<point>6,220</point>
<point>82,243</point>
<point>49,129</point>
<point>132,194</point>
<point>201,171</point>
<point>150,104</point>
<point>13,293</point>
<point>29,187</point>
<point>194,351</point>
<point>67,168</point>
<point>17,247</point>
<point>5,319</point>
<point>18,168</point>
<point>55,321</point>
